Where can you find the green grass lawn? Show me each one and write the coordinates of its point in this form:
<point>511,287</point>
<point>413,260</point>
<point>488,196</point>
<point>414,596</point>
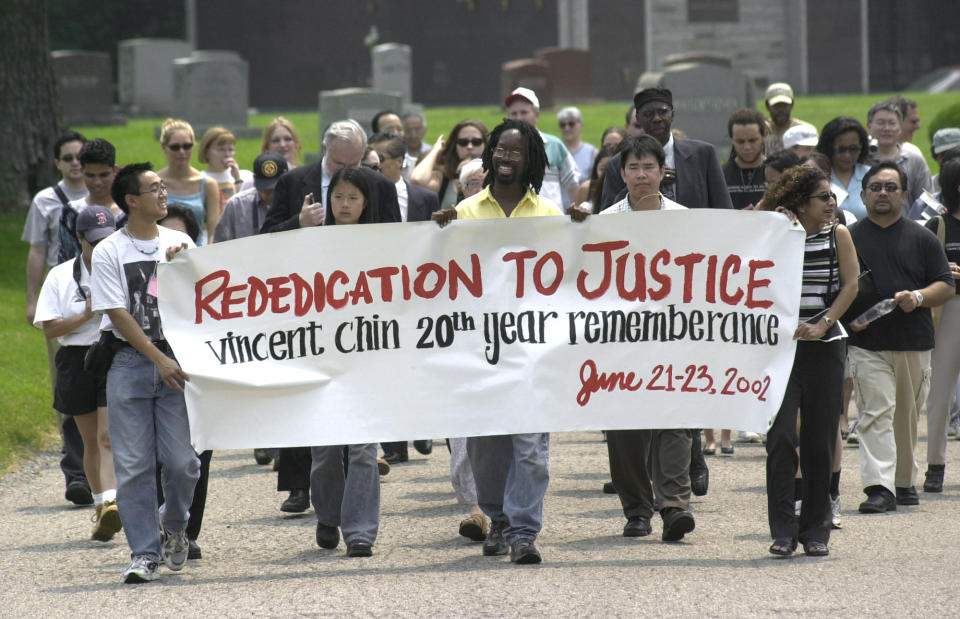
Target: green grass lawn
<point>27,420</point>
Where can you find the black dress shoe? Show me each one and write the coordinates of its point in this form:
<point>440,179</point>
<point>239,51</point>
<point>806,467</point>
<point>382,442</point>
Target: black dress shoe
<point>934,478</point>
<point>637,526</point>
<point>495,544</point>
<point>424,447</point>
<point>699,481</point>
<point>327,536</point>
<point>609,488</point>
<point>879,500</point>
<point>193,550</point>
<point>78,493</point>
<point>524,552</point>
<point>676,523</point>
<point>297,502</point>
<point>359,548</point>
<point>393,457</point>
<point>262,456</point>
<point>908,496</point>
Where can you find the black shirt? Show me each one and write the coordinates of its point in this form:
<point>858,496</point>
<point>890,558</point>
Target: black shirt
<point>952,237</point>
<point>902,256</point>
<point>746,185</point>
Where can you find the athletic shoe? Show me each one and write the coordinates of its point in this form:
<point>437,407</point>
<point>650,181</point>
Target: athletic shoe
<point>141,569</point>
<point>175,549</point>
<point>835,512</point>
<point>106,522</point>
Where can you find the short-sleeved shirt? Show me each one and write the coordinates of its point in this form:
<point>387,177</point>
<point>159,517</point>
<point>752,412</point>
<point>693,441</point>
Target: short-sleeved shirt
<point>902,256</point>
<point>746,185</point>
<point>125,277</point>
<point>951,237</point>
<point>561,176</point>
<point>61,297</point>
<point>42,227</point>
<point>484,206</point>
<point>623,206</point>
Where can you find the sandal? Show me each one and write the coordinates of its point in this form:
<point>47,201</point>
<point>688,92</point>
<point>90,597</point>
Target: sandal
<point>709,451</point>
<point>783,546</point>
<point>726,450</point>
<point>815,549</point>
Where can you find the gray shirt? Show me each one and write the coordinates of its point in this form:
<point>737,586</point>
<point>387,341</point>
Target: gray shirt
<point>242,216</point>
<point>42,227</point>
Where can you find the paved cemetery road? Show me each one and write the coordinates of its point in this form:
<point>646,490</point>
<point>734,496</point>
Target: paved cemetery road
<point>260,562</point>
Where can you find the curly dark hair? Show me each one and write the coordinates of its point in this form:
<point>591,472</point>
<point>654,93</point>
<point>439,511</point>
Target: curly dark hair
<point>794,188</point>
<point>535,163</point>
<point>837,127</point>
<point>98,150</point>
<point>447,162</point>
<point>175,211</point>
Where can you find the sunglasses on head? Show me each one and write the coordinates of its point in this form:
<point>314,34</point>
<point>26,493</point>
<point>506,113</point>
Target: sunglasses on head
<point>178,147</point>
<point>469,141</point>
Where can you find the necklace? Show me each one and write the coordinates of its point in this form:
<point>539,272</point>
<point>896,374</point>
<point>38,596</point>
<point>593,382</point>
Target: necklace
<point>133,241</point>
<point>753,175</point>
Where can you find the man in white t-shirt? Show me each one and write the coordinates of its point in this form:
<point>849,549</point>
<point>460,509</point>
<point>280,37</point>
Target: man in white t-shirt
<point>148,414</point>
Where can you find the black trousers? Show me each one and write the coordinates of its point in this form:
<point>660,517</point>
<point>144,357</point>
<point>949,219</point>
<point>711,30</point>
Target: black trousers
<point>72,461</point>
<point>650,468</point>
<point>293,469</point>
<point>815,389</point>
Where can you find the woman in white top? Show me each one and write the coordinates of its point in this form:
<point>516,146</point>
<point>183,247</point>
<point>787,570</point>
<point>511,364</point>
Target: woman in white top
<point>217,150</point>
<point>64,312</point>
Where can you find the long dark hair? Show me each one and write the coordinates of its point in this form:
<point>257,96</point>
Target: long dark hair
<point>535,154</point>
<point>357,178</point>
<point>448,161</point>
<point>837,127</point>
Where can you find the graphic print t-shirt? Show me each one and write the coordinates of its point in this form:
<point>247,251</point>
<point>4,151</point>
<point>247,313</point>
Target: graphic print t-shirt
<point>125,276</point>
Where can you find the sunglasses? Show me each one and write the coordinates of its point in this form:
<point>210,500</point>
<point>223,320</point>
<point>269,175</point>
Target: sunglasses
<point>888,187</point>
<point>568,123</point>
<point>69,157</point>
<point>178,147</point>
<point>464,142</point>
<point>825,196</point>
<point>847,149</point>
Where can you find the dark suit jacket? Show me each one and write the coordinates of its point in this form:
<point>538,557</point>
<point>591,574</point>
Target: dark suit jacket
<point>284,213</point>
<point>421,202</point>
<point>700,182</point>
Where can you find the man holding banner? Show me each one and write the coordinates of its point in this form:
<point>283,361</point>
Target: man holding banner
<point>511,471</point>
<point>667,451</point>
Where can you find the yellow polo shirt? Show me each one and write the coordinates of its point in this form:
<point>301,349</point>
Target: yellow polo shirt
<point>484,206</point>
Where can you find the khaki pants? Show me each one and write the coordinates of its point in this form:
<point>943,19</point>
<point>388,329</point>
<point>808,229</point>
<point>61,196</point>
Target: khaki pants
<point>891,386</point>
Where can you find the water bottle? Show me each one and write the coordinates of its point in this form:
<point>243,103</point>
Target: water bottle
<point>880,309</point>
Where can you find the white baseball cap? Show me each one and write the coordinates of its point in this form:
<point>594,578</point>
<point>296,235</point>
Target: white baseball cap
<point>800,135</point>
<point>522,93</point>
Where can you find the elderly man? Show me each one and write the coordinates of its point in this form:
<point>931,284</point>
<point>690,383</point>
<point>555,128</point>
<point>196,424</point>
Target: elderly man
<point>571,127</point>
<point>890,357</point>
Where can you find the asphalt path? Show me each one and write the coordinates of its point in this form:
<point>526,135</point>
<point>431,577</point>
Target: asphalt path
<point>258,561</point>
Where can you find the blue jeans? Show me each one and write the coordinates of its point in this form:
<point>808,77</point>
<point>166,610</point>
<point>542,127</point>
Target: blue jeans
<point>148,424</point>
<point>512,473</point>
<point>350,501</point>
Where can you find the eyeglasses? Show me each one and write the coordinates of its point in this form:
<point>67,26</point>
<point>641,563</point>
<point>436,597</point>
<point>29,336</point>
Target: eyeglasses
<point>178,147</point>
<point>567,123</point>
<point>464,142</point>
<point>509,155</point>
<point>885,123</point>
<point>69,157</point>
<point>155,189</point>
<point>853,150</point>
<point>224,150</point>
<point>888,187</point>
<point>659,111</point>
<point>826,196</point>
<point>371,166</point>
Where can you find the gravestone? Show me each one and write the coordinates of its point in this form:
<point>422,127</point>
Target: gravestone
<point>571,72</point>
<point>528,72</point>
<point>706,89</point>
<point>392,69</point>
<point>85,81</point>
<point>145,74</point>
<point>210,88</point>
<point>360,104</point>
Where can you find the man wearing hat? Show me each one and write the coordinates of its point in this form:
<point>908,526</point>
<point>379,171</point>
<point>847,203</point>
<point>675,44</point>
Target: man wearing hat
<point>562,177</point>
<point>245,212</point>
<point>779,101</point>
<point>801,139</point>
<point>944,146</point>
<point>693,176</point>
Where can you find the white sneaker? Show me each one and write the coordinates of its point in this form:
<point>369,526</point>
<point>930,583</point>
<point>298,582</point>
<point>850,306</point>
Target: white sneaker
<point>835,512</point>
<point>749,437</point>
<point>141,569</point>
<point>175,549</point>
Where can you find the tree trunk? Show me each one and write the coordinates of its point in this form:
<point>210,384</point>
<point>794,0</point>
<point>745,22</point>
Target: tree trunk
<point>30,104</point>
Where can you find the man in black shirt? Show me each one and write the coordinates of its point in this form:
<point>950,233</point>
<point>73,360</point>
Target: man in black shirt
<point>890,357</point>
<point>744,170</point>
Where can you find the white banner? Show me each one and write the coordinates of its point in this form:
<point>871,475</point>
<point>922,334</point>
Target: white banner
<point>367,333</point>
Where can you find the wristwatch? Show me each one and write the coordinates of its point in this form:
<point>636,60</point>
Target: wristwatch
<point>919,296</point>
<point>828,320</point>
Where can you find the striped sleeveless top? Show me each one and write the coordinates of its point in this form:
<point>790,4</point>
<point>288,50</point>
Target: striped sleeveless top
<point>818,257</point>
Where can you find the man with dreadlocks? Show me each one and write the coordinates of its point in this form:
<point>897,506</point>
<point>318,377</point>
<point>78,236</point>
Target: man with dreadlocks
<point>511,471</point>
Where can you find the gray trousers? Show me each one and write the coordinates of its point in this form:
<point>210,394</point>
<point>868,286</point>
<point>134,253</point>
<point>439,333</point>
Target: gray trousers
<point>349,500</point>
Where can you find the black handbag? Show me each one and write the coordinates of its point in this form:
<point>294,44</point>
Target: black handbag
<point>867,293</point>
<point>99,356</point>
